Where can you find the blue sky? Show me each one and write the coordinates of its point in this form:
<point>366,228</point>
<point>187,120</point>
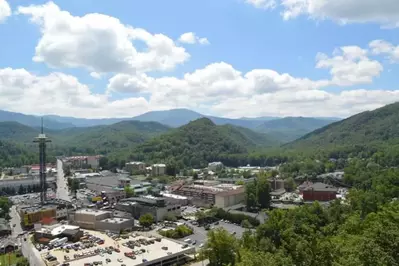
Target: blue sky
<point>241,34</point>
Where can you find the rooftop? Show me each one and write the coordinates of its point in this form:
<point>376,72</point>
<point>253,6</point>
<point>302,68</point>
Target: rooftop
<point>321,187</point>
<point>91,212</point>
<point>153,252</point>
<point>115,220</point>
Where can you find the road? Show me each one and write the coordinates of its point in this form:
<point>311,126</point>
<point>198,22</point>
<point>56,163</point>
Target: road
<point>62,186</point>
<point>28,250</point>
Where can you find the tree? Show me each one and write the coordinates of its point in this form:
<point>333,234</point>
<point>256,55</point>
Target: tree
<point>290,184</point>
<point>129,191</point>
<point>263,191</point>
<point>23,262</point>
<point>250,195</point>
<point>221,248</point>
<point>240,182</point>
<point>21,190</point>
<point>73,185</point>
<point>146,220</point>
<point>170,217</point>
<point>195,176</point>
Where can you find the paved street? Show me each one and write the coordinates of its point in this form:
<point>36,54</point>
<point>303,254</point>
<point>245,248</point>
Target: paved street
<point>62,186</point>
<point>31,253</point>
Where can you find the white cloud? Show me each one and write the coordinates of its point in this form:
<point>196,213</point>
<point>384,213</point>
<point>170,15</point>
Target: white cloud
<point>95,75</point>
<point>192,38</point>
<point>5,10</point>
<point>99,43</point>
<point>264,4</point>
<point>60,94</point>
<point>349,66</point>
<point>214,82</point>
<point>385,48</point>
<point>383,12</point>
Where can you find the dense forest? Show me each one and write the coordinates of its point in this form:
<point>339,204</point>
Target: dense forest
<point>200,142</point>
<point>363,230</point>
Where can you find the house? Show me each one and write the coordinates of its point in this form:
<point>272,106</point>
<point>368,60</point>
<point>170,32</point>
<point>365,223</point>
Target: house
<point>215,166</point>
<point>158,169</point>
<point>135,167</point>
<point>320,192</point>
<point>5,228</point>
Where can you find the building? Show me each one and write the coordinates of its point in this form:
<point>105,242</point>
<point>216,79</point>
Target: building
<point>276,184</point>
<point>234,181</point>
<point>25,182</point>
<point>100,220</point>
<point>31,215</point>
<point>320,192</point>
<point>158,169</point>
<point>215,166</point>
<point>175,199</point>
<point>123,182</point>
<point>135,167</point>
<point>72,232</point>
<point>222,195</point>
<point>78,162</point>
<point>229,197</point>
<point>8,245</point>
<point>5,228</point>
<point>157,206</point>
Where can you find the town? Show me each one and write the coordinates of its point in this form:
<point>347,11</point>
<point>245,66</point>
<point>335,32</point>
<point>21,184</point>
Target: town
<point>138,215</point>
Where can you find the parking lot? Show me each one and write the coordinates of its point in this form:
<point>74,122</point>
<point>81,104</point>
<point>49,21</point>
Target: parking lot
<point>132,249</point>
<point>200,234</point>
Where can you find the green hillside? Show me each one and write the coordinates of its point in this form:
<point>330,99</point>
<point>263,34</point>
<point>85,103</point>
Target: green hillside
<point>118,137</point>
<point>12,154</point>
<point>379,127</point>
<point>200,142</point>
<point>291,128</point>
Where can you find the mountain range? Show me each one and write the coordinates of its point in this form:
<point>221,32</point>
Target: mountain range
<point>282,129</point>
<point>377,127</point>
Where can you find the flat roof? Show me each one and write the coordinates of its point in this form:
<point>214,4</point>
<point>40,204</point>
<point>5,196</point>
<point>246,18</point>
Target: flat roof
<point>92,212</point>
<point>154,252</point>
<point>115,220</point>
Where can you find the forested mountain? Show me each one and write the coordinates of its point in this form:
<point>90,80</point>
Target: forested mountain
<point>13,154</point>
<point>92,140</point>
<point>31,120</point>
<point>200,142</point>
<point>284,129</point>
<point>290,128</point>
<point>377,127</point>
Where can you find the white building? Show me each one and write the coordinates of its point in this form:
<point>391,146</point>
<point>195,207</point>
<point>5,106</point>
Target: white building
<point>135,166</point>
<point>215,166</point>
<point>158,169</point>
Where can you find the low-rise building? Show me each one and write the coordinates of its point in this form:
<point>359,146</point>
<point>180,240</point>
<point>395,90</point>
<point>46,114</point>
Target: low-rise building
<point>158,169</point>
<point>222,195</point>
<point>157,206</point>
<point>72,232</point>
<point>31,215</point>
<point>5,228</point>
<point>215,166</point>
<point>100,220</point>
<point>320,192</point>
<point>135,167</point>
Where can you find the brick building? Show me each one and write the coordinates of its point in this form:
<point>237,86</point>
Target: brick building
<point>320,192</point>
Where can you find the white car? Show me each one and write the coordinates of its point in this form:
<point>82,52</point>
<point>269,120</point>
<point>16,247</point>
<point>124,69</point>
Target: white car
<point>120,260</point>
<point>201,245</point>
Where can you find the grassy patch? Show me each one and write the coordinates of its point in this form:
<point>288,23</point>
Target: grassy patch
<point>9,259</point>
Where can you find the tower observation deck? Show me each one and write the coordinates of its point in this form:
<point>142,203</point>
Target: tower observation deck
<point>41,139</point>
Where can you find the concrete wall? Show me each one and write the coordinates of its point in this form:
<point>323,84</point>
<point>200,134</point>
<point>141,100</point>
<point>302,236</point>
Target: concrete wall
<point>222,201</point>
